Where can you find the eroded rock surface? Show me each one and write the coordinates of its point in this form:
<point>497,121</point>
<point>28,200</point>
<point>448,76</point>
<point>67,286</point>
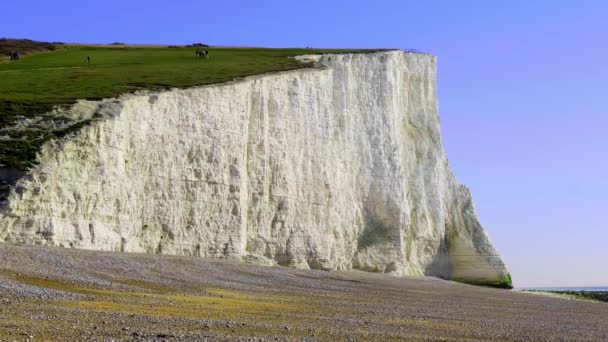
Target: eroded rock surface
<point>337,167</point>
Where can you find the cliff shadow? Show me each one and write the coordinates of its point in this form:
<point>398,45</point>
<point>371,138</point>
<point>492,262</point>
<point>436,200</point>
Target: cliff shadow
<point>382,221</point>
<point>441,265</point>
<point>8,178</point>
<point>375,232</point>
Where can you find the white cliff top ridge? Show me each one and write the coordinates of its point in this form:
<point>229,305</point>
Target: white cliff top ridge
<point>338,167</point>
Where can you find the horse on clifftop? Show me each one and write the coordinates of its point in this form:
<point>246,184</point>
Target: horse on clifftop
<point>202,53</point>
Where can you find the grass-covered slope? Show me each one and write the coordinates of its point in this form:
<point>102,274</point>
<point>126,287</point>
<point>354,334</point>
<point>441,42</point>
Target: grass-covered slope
<point>24,46</point>
<point>31,87</point>
<point>601,296</point>
<point>595,295</point>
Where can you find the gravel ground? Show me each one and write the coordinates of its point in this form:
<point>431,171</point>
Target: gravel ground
<point>68,295</point>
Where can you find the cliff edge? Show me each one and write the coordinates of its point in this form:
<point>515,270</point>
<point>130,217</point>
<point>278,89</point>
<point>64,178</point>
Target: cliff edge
<point>336,167</point>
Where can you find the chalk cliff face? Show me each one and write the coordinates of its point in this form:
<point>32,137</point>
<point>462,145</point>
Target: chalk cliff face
<point>337,167</point>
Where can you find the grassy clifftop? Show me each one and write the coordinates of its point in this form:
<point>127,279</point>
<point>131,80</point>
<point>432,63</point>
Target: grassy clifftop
<point>31,87</point>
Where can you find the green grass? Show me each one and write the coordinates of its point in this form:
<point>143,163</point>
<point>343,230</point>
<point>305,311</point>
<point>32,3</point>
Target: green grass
<point>34,85</point>
<point>601,296</point>
<point>33,82</point>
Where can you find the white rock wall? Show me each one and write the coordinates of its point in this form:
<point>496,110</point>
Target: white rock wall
<point>334,168</point>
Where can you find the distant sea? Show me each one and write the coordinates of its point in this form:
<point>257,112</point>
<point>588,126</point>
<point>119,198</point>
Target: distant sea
<point>590,288</point>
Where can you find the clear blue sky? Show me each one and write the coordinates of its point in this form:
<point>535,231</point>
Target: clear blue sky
<point>522,89</point>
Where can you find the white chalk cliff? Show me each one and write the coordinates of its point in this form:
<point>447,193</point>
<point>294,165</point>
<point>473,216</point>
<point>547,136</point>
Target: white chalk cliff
<point>333,167</point>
